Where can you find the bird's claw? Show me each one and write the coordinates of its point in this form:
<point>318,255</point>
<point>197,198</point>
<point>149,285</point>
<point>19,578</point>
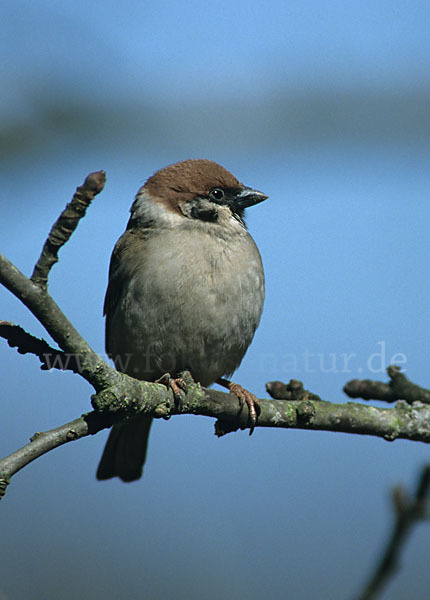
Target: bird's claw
<point>250,400</point>
<point>177,385</point>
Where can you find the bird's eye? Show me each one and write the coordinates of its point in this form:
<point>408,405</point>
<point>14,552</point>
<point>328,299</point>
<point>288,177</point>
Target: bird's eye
<point>217,194</point>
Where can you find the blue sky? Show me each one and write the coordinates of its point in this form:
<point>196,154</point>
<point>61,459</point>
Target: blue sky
<point>321,107</point>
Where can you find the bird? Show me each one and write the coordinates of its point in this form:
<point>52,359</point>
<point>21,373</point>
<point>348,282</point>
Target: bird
<point>185,292</point>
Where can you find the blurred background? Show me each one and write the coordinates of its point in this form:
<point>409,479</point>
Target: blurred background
<point>325,107</point>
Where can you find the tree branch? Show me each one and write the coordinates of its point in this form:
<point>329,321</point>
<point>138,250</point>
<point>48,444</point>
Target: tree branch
<point>130,397</point>
<point>91,366</point>
<point>408,511</point>
<point>402,421</point>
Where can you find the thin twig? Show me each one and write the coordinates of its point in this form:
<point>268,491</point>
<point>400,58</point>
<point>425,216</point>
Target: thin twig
<point>43,442</point>
<point>66,225</point>
<point>25,343</point>
<point>398,388</point>
<point>408,511</point>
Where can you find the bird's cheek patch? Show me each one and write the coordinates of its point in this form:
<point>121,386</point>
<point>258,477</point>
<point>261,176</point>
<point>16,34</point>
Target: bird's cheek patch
<point>202,210</point>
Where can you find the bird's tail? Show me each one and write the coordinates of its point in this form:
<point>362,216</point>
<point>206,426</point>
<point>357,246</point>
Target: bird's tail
<point>125,451</point>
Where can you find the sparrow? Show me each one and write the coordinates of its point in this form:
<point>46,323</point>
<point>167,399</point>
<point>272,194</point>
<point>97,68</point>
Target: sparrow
<point>185,292</point>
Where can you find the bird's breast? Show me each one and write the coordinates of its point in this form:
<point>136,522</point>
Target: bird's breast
<point>193,302</point>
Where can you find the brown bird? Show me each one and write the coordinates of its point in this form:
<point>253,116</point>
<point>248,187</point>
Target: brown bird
<point>185,292</point>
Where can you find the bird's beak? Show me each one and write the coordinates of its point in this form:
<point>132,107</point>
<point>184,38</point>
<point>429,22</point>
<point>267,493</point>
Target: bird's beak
<point>248,197</point>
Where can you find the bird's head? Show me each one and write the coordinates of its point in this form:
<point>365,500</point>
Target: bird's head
<point>192,189</point>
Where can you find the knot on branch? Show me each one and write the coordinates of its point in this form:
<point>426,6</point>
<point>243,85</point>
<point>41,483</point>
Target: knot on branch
<point>114,400</point>
<point>129,397</point>
<point>305,411</point>
<point>293,390</point>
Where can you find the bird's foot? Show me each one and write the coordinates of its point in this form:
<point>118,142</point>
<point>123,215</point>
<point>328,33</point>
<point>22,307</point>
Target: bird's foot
<point>177,385</point>
<point>244,397</point>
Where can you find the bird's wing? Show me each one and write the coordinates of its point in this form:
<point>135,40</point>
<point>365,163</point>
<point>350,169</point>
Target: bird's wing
<point>121,272</point>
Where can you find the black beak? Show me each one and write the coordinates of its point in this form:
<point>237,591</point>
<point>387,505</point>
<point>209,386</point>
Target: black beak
<point>249,197</point>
